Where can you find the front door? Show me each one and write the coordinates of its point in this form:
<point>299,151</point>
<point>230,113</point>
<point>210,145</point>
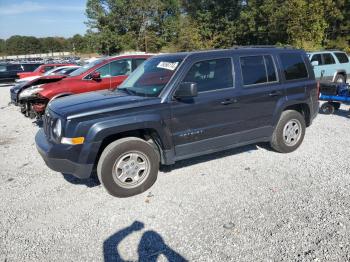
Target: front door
<point>318,69</point>
<point>112,75</point>
<point>205,122</point>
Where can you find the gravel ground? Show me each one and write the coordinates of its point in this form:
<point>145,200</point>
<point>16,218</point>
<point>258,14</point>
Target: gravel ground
<point>247,204</point>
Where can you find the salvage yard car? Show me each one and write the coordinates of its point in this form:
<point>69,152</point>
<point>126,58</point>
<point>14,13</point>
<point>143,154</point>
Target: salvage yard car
<point>26,88</point>
<point>65,70</point>
<point>179,106</point>
<point>8,72</point>
<point>332,66</point>
<point>104,73</point>
<point>42,69</point>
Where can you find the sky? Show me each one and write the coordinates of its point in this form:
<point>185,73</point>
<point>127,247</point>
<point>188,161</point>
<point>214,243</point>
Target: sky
<point>42,18</point>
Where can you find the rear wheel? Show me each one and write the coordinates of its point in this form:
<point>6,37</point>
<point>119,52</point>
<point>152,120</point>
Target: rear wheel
<point>128,166</point>
<point>327,108</point>
<point>289,132</point>
<point>336,105</point>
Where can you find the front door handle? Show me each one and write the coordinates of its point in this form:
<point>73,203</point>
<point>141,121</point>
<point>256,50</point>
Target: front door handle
<point>229,101</point>
<point>275,93</point>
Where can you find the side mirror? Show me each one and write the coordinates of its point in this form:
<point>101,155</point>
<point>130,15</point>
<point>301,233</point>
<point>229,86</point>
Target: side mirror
<point>96,76</point>
<point>186,90</point>
<point>314,63</point>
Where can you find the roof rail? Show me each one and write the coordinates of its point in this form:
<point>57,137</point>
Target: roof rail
<point>263,46</point>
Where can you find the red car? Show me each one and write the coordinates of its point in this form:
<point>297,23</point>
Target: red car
<point>41,70</point>
<point>104,73</point>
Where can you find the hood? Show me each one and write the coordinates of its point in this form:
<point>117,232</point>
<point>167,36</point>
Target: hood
<point>97,102</point>
<point>21,85</point>
<point>18,87</point>
<point>29,78</point>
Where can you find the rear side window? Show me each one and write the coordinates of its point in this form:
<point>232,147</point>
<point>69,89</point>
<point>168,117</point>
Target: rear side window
<point>342,58</point>
<point>258,70</point>
<point>318,58</point>
<point>211,74</point>
<point>293,66</point>
<point>328,59</point>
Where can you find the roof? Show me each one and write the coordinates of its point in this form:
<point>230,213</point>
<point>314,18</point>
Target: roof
<point>239,49</point>
<point>325,51</point>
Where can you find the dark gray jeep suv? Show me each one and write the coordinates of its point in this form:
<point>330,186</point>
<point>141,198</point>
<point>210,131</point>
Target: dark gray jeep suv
<point>179,106</point>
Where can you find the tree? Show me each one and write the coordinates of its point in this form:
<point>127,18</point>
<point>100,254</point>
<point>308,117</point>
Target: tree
<point>2,46</point>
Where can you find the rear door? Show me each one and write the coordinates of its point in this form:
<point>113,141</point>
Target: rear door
<point>206,122</point>
<point>261,90</point>
<point>329,66</point>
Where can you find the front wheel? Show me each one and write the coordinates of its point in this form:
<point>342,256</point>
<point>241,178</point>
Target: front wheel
<point>339,79</point>
<point>289,132</point>
<point>128,166</point>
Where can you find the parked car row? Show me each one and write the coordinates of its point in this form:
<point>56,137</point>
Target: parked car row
<point>171,107</point>
<point>104,73</point>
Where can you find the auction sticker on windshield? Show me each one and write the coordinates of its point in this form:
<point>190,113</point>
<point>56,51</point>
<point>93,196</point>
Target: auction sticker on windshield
<point>168,65</point>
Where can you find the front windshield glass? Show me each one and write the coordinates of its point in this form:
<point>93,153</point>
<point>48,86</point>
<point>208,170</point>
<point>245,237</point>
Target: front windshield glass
<point>54,70</point>
<point>152,76</point>
<point>86,67</point>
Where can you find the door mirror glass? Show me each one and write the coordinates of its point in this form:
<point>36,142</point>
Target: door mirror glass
<point>314,63</point>
<point>96,76</point>
<point>186,90</point>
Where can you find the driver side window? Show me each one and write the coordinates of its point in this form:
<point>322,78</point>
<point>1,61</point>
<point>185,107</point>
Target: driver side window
<point>211,75</point>
<point>115,68</point>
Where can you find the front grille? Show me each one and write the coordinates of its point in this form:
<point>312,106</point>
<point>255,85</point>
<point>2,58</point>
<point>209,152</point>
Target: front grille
<point>47,122</point>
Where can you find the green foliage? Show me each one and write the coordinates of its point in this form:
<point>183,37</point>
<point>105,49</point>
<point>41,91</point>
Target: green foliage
<point>181,25</point>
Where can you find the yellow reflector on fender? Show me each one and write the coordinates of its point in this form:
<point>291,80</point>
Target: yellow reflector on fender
<point>73,140</point>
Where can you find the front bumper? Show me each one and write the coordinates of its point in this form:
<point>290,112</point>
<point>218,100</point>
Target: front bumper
<point>13,96</point>
<point>56,157</point>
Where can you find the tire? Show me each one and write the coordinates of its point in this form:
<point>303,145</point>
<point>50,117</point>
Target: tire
<point>293,123</point>
<point>336,105</point>
<point>339,79</point>
<point>128,166</point>
<point>327,108</point>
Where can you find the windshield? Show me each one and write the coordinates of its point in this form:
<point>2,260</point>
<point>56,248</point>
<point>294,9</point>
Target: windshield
<point>50,72</point>
<point>152,76</point>
<point>86,67</point>
<point>38,69</point>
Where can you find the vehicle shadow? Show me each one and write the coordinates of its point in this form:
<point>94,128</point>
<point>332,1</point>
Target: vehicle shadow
<point>89,182</point>
<point>213,156</point>
<point>150,247</point>
<point>342,113</point>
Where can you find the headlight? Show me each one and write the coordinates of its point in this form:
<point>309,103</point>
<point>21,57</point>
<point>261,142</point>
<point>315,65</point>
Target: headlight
<point>57,128</point>
<point>30,91</point>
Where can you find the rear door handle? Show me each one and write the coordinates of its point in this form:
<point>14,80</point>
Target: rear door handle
<point>275,93</point>
<point>229,101</point>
